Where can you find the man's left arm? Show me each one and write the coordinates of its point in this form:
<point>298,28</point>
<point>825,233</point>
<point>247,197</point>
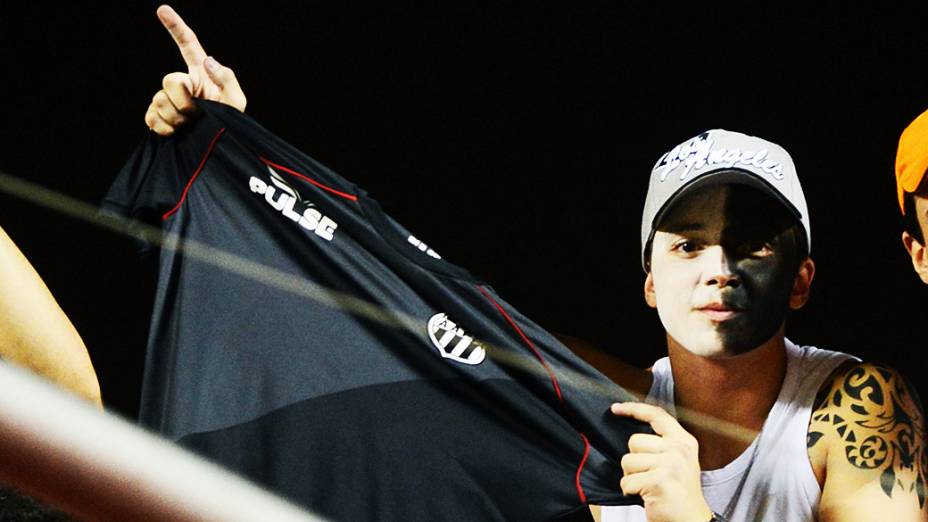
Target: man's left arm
<point>872,426</point>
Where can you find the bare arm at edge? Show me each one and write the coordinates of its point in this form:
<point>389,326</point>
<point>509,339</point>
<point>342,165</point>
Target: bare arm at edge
<point>35,333</point>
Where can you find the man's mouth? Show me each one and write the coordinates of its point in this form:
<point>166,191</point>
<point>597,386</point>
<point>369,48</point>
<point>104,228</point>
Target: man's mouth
<point>719,312</point>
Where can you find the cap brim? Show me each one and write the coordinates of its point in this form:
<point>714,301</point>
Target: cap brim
<point>728,176</point>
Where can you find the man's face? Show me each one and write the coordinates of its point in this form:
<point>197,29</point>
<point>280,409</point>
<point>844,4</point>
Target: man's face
<point>916,249</point>
<point>921,212</point>
<point>722,268</point>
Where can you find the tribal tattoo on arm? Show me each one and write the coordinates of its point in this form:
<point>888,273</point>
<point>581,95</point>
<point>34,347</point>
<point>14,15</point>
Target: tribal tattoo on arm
<point>879,423</point>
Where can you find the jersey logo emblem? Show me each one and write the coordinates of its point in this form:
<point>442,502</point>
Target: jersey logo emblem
<point>282,197</point>
<point>453,343</point>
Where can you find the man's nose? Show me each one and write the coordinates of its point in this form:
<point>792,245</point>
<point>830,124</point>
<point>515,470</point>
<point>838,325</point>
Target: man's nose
<point>717,268</point>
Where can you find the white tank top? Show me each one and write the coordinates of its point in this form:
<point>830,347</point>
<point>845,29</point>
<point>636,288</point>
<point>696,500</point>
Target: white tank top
<point>772,480</point>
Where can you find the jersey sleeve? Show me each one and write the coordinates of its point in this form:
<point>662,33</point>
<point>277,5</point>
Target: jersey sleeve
<point>154,177</point>
<point>274,152</point>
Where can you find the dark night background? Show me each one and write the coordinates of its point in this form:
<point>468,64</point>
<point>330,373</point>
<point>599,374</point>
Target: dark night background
<point>515,140</point>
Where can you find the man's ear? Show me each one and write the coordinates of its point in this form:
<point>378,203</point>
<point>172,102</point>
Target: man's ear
<point>918,254</point>
<point>649,296</point>
<point>802,284</point>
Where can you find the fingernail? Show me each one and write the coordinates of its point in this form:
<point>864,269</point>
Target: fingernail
<point>616,407</point>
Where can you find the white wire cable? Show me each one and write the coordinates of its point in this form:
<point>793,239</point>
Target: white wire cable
<point>283,281</point>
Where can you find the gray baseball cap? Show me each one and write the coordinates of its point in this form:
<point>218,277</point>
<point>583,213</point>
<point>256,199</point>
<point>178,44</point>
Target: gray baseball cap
<point>717,157</point>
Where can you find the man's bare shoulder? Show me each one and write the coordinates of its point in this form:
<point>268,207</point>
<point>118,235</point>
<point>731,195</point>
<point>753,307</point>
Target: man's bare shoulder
<point>868,432</point>
<point>628,376</point>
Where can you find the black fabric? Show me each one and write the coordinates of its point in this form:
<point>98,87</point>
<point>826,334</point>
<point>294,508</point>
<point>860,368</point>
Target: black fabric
<point>16,507</point>
<point>321,374</point>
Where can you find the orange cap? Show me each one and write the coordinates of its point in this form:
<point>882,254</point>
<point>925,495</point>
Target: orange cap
<point>912,157</point>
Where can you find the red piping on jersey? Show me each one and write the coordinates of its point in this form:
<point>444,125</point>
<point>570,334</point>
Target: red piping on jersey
<point>557,388</point>
<point>586,454</point>
<point>345,195</point>
<point>183,196</point>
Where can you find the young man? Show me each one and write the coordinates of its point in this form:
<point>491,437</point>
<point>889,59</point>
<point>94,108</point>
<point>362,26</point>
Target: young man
<point>725,245</point>
<point>912,191</point>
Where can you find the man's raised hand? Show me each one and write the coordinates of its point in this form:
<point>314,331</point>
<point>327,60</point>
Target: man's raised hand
<point>663,468</point>
<point>173,106</point>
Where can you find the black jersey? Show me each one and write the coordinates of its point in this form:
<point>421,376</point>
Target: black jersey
<point>354,371</point>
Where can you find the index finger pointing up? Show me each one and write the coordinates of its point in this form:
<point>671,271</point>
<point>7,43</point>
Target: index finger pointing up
<point>185,38</point>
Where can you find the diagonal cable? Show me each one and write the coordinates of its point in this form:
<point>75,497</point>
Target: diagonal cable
<point>305,288</point>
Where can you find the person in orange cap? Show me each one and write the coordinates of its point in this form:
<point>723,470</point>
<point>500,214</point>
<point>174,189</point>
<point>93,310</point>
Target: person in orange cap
<point>912,191</point>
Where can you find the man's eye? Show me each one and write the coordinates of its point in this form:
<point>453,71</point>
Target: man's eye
<point>758,248</point>
<point>686,246</point>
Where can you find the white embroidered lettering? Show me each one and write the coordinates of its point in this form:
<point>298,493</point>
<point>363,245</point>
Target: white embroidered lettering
<point>776,171</point>
<point>326,228</point>
<point>422,247</point>
<point>310,219</point>
<point>288,210</point>
<point>293,207</point>
<point>257,186</point>
<point>699,153</point>
<point>759,158</point>
<point>281,201</point>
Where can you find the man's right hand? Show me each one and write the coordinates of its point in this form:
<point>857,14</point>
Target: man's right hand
<point>173,106</point>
